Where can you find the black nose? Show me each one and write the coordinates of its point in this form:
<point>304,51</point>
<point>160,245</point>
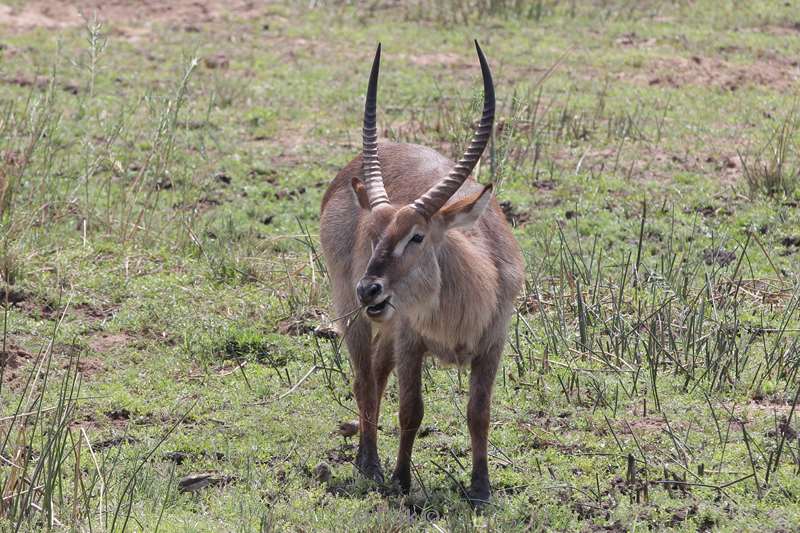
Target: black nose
<point>368,291</point>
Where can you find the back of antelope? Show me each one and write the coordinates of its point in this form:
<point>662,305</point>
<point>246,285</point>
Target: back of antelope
<point>423,261</point>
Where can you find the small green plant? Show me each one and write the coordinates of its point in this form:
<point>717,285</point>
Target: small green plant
<point>775,169</point>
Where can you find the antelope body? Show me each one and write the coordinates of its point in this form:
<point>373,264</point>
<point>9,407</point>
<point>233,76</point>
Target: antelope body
<point>428,256</point>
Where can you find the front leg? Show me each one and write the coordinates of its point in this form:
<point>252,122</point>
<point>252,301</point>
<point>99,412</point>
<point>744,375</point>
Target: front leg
<point>481,382</point>
<point>360,347</point>
<point>409,353</point>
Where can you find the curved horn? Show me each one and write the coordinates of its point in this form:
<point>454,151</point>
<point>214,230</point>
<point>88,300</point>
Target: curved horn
<point>433,200</point>
<point>371,167</point>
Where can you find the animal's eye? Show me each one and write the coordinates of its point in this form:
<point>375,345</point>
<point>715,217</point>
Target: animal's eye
<point>417,238</point>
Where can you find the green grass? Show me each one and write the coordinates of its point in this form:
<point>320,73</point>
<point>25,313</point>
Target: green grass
<point>165,306</point>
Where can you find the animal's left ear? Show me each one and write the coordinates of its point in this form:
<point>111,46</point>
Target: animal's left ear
<point>464,213</point>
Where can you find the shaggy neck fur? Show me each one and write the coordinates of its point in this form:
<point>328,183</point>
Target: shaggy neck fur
<point>458,315</point>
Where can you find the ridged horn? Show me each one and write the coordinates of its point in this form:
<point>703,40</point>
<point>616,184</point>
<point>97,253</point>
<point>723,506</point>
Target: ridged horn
<point>433,200</point>
<point>371,167</point>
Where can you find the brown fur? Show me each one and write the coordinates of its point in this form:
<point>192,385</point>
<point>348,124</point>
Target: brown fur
<point>452,295</point>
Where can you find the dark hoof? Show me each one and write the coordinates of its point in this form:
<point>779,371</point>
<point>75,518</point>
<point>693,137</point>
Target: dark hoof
<point>479,498</point>
<point>401,483</point>
<point>370,468</point>
<point>372,472</point>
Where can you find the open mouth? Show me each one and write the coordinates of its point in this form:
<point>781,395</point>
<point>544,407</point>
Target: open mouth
<point>379,308</point>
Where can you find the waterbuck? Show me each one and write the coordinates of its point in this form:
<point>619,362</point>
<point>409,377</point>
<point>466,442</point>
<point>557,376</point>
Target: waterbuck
<point>422,259</point>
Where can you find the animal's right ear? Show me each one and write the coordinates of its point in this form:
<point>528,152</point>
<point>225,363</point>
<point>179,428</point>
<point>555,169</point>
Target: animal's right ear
<point>464,213</point>
<point>361,193</point>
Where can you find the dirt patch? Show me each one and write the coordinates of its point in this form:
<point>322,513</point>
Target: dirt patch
<point>345,453</point>
<point>11,361</point>
<point>313,322</point>
<point>769,70</point>
<point>644,162</point>
<point>791,29</point>
<point>119,414</point>
<point>632,40</point>
<point>14,357</point>
<point>41,308</point>
<point>114,441</point>
<point>179,457</point>
<point>132,18</point>
<point>94,313</point>
<point>720,256</point>
<point>89,366</point>
<point>793,241</point>
<point>778,402</point>
<point>217,61</point>
<point>200,206</point>
<point>709,210</point>
<point>41,83</point>
<point>642,425</point>
<point>21,80</point>
<point>107,342</point>
<point>12,295</point>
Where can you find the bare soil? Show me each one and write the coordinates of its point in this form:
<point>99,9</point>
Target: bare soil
<point>769,70</point>
<point>106,342</point>
<point>90,366</point>
<point>133,18</point>
<point>13,357</point>
<point>11,360</point>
